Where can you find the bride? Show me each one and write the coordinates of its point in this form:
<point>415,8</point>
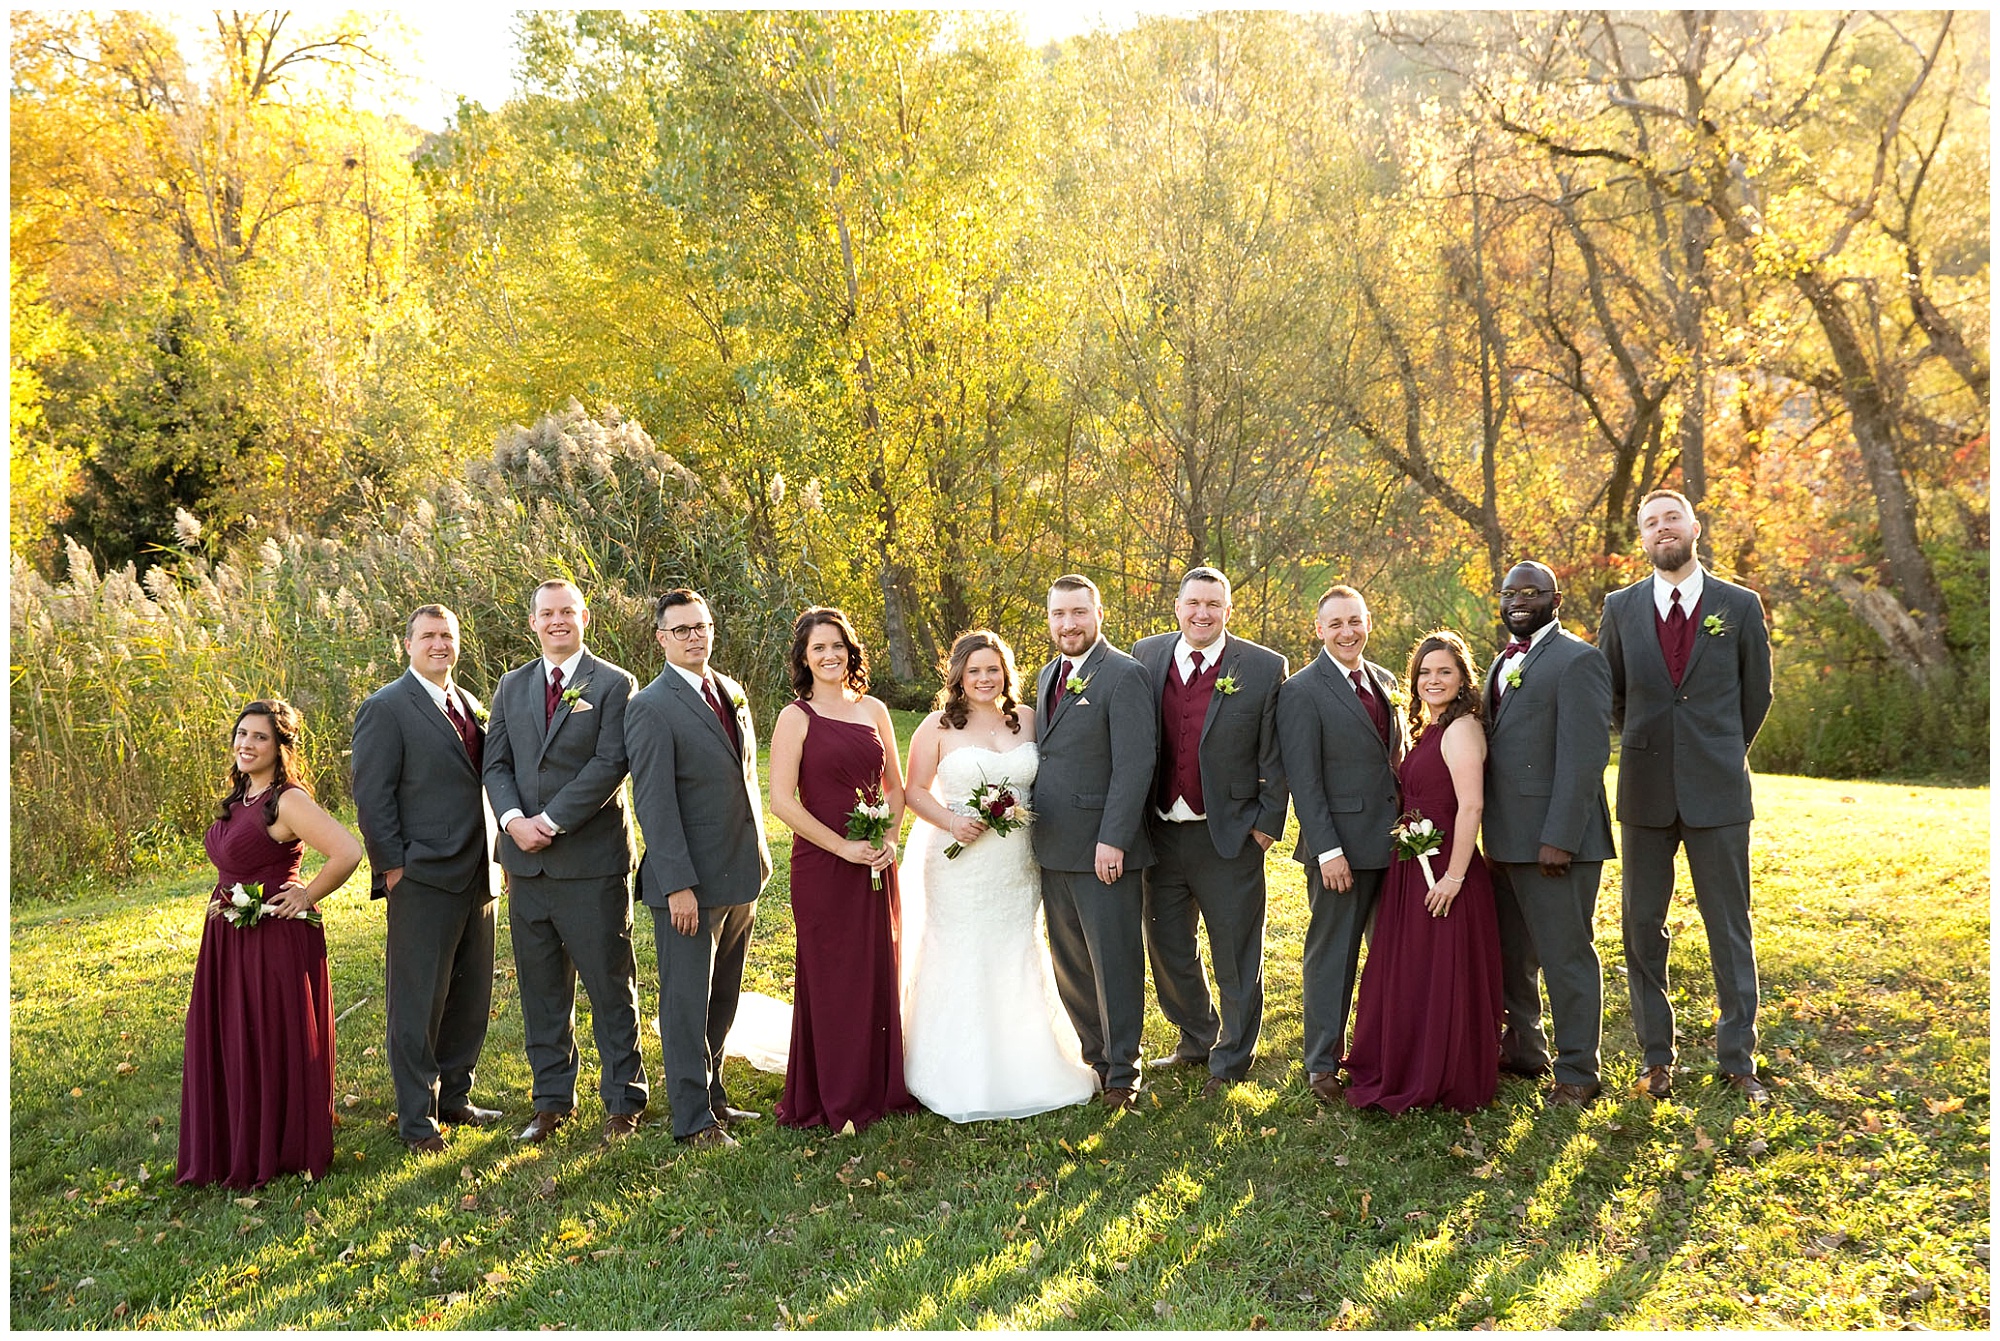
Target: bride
<point>984,1033</point>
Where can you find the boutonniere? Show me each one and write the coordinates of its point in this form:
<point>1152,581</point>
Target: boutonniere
<point>1226,685</point>
<point>1513,678</point>
<point>479,714</point>
<point>1076,684</point>
<point>1398,698</point>
<point>738,702</point>
<point>1714,626</point>
<point>574,696</point>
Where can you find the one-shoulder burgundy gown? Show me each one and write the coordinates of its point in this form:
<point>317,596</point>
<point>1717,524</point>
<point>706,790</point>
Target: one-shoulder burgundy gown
<point>846,1061</point>
<point>1427,1015</point>
<point>257,1083</point>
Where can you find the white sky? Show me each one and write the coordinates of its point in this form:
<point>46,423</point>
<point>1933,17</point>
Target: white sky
<point>469,49</point>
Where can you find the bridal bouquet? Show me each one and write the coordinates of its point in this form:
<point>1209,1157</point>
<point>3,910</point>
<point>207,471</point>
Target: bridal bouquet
<point>245,907</point>
<point>869,821</point>
<point>1417,837</point>
<point>997,805</point>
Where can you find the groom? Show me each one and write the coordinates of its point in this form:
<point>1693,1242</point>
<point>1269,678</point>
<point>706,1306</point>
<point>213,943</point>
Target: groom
<point>695,795</point>
<point>1099,725</point>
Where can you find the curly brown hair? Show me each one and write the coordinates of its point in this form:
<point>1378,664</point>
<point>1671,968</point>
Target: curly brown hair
<point>857,655</point>
<point>951,701</point>
<point>286,728</point>
<point>1466,702</point>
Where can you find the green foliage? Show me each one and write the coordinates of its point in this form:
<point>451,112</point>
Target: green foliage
<point>139,682</point>
<point>1858,1200</point>
<point>1873,721</point>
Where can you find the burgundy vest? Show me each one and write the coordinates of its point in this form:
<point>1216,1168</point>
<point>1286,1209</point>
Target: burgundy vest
<point>1183,710</point>
<point>1677,650</point>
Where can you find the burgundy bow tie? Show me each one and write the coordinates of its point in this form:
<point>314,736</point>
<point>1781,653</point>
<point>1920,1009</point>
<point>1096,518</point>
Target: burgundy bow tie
<point>1511,648</point>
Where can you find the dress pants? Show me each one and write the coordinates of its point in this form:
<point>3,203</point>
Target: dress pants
<point>438,985</point>
<point>1189,881</point>
<point>1332,954</point>
<point>1545,932</point>
<point>565,930</point>
<point>701,978</point>
<point>1719,862</point>
<point>1098,948</point>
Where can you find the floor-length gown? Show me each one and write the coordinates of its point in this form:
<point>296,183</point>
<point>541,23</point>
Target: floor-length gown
<point>984,1032</point>
<point>257,1082</point>
<point>846,1057</point>
<point>1427,1015</point>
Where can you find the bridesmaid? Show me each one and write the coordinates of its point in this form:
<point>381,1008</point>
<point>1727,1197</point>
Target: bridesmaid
<point>1427,1017</point>
<point>257,1080</point>
<point>847,1036</point>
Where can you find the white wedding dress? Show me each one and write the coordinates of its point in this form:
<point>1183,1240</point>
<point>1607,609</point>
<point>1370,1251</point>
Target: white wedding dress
<point>984,1033</point>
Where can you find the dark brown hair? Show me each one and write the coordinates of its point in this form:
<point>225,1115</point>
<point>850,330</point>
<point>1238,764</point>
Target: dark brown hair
<point>679,596</point>
<point>1078,582</point>
<point>857,655</point>
<point>951,700</point>
<point>1466,704</point>
<point>286,727</point>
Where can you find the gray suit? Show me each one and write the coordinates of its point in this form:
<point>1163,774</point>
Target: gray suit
<point>1684,778</point>
<point>700,810</point>
<point>416,795</point>
<point>1097,751</point>
<point>1546,751</point>
<point>1213,869</point>
<point>1346,794</point>
<point>570,908</point>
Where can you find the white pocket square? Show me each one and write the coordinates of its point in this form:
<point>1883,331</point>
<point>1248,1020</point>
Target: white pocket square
<point>582,705</point>
<point>1082,702</point>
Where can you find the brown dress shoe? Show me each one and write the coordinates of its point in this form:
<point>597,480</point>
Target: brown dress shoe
<point>1571,1096</point>
<point>430,1145</point>
<point>1215,1086</point>
<point>620,1125</point>
<point>1118,1097</point>
<point>1325,1086</point>
<point>1658,1082</point>
<point>471,1116</point>
<point>544,1123</point>
<point>1748,1086</point>
<point>711,1138</point>
<point>727,1115</point>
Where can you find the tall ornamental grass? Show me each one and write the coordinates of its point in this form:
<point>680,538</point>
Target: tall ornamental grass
<point>124,689</point>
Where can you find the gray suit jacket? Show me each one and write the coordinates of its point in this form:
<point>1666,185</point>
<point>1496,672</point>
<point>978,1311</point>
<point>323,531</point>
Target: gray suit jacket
<point>1685,751</point>
<point>695,795</point>
<point>416,794</point>
<point>1343,778</point>
<point>1242,772</point>
<point>572,769</point>
<point>1097,754</point>
<point>1546,752</point>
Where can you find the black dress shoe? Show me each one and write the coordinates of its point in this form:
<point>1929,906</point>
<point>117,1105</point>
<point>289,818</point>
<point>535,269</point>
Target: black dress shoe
<point>710,1138</point>
<point>725,1115</point>
<point>430,1145</point>
<point>543,1124</point>
<point>472,1115</point>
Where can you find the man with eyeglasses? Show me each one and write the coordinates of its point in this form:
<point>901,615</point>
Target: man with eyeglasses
<point>694,788</point>
<point>1547,833</point>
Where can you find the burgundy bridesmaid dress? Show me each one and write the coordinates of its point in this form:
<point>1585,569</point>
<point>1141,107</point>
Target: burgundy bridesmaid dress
<point>1427,1015</point>
<point>847,1032</point>
<point>257,1084</point>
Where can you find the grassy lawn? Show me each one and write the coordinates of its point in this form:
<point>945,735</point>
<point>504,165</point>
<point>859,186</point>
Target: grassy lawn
<point>1858,1199</point>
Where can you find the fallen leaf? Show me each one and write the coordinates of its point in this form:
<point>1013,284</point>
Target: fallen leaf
<point>847,1127</point>
<point>1758,1146</point>
<point>368,1052</point>
<point>351,1100</point>
<point>1948,1104</point>
<point>76,1092</point>
<point>1366,1197</point>
<point>122,1309</point>
<point>547,1188</point>
<point>1267,1131</point>
<point>1035,1251</point>
<point>468,1202</point>
<point>1340,1161</point>
<point>497,1276</point>
<point>1259,1323</point>
<point>312,1218</point>
<point>159,1238</point>
<point>125,1068</point>
<point>1871,1122</point>
<point>248,1203</point>
<point>1483,1171</point>
<point>465,1172</point>
<point>1486,1324</point>
<point>1121,1266</point>
<point>1701,1140</point>
<point>1162,1309</point>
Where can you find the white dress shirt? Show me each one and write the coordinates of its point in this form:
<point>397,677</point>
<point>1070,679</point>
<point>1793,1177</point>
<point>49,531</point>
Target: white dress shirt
<point>1663,593</point>
<point>1512,660</point>
<point>568,669</point>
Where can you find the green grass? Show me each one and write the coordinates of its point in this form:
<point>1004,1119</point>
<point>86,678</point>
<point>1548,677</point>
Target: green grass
<point>1859,1199</point>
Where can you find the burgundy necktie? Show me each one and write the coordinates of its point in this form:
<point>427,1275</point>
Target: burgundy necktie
<point>1369,700</point>
<point>466,735</point>
<point>1677,615</point>
<point>1062,682</point>
<point>728,722</point>
<point>555,696</point>
<point>1194,660</point>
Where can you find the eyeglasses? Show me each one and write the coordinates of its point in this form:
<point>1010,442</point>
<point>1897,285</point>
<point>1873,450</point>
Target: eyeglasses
<point>680,633</point>
<point>1524,593</point>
